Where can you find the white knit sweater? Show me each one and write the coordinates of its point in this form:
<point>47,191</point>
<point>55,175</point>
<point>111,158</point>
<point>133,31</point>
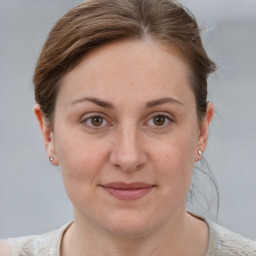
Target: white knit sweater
<point>221,242</point>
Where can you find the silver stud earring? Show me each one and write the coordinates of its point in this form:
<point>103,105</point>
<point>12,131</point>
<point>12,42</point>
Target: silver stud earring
<point>200,152</point>
<point>51,158</point>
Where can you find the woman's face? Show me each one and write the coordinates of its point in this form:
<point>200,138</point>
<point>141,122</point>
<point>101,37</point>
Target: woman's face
<point>126,137</point>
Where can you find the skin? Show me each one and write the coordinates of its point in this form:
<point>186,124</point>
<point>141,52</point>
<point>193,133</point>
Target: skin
<point>129,145</point>
<point>5,249</point>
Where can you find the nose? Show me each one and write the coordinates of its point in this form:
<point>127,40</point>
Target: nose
<point>128,152</point>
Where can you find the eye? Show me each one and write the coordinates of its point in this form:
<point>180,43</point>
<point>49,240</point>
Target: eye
<point>95,122</point>
<point>160,121</point>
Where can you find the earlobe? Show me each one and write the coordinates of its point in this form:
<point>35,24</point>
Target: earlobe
<point>47,133</point>
<point>204,131</point>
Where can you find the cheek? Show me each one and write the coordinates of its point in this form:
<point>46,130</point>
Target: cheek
<point>80,165</point>
<point>174,160</point>
<point>80,161</point>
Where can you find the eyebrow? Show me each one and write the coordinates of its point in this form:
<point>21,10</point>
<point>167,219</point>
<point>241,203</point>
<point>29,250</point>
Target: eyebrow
<point>161,101</point>
<point>96,101</point>
<point>106,104</point>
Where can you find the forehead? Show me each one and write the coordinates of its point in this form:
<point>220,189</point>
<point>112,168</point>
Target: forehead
<point>139,68</point>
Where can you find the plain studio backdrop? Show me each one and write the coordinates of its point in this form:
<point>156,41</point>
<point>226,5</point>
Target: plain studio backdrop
<point>32,197</point>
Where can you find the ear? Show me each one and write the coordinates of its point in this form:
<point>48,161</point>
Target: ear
<point>47,133</point>
<point>204,130</point>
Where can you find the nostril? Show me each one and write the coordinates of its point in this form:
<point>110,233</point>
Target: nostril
<point>128,168</point>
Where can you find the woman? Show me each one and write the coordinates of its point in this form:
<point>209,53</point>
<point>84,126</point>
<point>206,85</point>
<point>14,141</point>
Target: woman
<point>121,88</point>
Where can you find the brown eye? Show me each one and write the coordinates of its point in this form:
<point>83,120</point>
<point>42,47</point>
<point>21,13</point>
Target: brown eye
<point>97,121</point>
<point>159,120</point>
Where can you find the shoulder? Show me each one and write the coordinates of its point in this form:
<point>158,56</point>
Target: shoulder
<point>5,249</point>
<point>225,242</point>
<point>35,244</point>
<point>45,244</point>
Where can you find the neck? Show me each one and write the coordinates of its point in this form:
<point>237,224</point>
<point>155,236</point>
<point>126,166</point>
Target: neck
<point>169,239</point>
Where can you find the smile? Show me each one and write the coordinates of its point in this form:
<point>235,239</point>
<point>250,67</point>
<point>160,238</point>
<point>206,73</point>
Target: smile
<point>128,191</point>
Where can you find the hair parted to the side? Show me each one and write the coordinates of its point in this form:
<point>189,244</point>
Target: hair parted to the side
<point>97,22</point>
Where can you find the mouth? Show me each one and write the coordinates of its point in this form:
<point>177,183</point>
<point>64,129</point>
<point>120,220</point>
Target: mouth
<point>128,191</point>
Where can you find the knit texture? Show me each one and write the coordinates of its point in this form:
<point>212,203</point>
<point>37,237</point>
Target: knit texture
<point>47,244</point>
<point>225,242</point>
<point>221,242</point>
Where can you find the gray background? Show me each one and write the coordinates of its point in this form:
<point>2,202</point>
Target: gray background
<point>32,198</point>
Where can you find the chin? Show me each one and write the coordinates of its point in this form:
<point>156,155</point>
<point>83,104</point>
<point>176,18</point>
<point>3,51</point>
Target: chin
<point>129,224</point>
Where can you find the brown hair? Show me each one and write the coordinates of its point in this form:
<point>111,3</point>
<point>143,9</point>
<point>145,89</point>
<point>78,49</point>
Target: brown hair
<point>97,22</point>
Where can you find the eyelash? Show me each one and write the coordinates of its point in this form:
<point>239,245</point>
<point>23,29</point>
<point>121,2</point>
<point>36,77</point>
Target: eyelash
<point>167,121</point>
<point>90,118</point>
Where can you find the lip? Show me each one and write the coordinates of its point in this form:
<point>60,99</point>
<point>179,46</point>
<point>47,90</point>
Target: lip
<point>128,191</point>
